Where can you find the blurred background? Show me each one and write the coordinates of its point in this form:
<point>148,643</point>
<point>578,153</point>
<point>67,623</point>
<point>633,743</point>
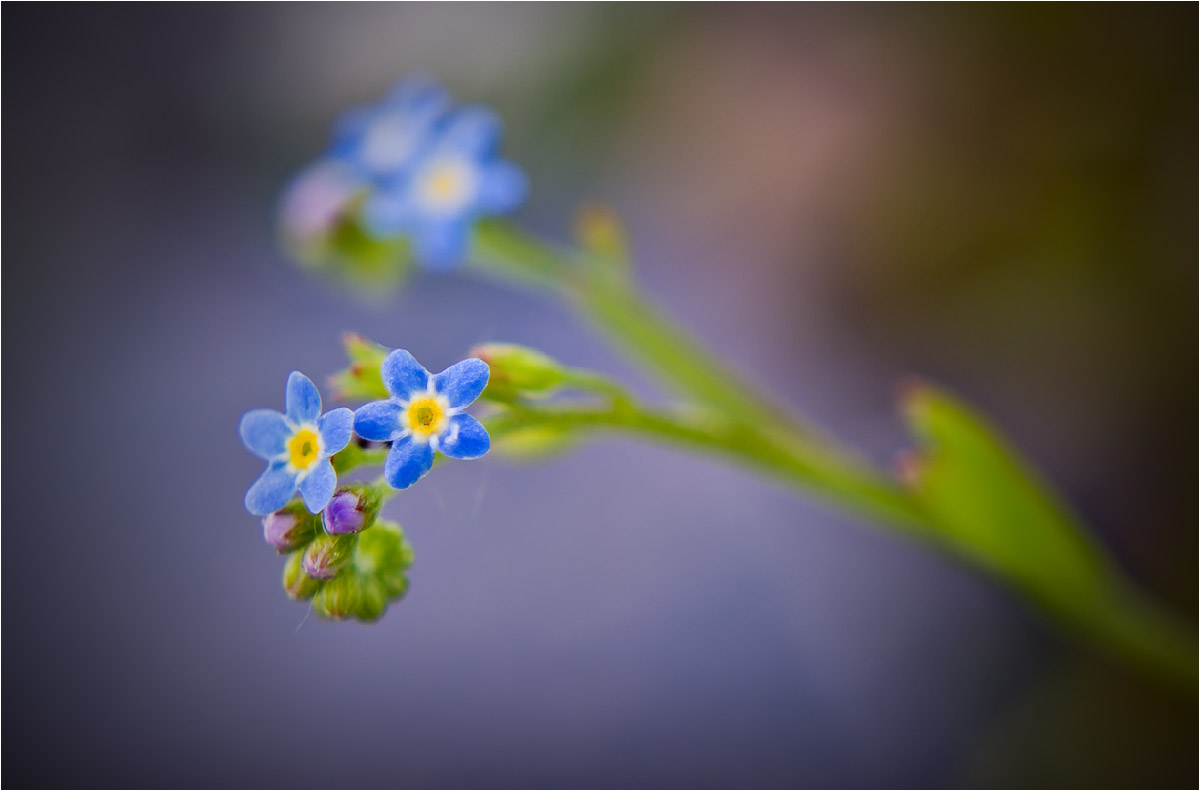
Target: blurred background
<point>1000,198</point>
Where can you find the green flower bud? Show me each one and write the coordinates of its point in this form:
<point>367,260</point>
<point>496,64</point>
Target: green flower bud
<point>373,599</point>
<point>382,550</point>
<point>519,369</point>
<point>384,555</point>
<point>338,598</point>
<point>296,583</point>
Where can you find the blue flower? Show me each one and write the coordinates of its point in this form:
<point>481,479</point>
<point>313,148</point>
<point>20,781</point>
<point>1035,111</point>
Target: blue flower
<point>296,445</point>
<point>455,179</point>
<point>424,415</point>
<point>381,141</point>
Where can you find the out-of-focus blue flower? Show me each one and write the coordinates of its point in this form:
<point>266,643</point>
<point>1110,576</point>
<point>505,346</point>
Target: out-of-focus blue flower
<point>296,445</point>
<point>424,415</point>
<point>455,179</point>
<point>381,141</point>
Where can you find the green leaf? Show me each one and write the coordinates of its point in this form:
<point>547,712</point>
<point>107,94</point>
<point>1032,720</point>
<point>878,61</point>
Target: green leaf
<point>990,505</point>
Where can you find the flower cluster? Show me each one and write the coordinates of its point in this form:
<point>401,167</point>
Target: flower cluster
<point>340,553</point>
<point>413,167</point>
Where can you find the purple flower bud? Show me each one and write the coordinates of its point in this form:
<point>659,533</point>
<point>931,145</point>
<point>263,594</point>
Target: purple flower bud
<point>344,514</point>
<point>286,530</point>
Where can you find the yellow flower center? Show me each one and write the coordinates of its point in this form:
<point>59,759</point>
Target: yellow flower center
<point>302,448</point>
<point>425,416</point>
<point>447,185</point>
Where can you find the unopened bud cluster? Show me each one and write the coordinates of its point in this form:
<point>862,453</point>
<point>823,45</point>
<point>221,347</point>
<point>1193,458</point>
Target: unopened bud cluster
<point>346,560</point>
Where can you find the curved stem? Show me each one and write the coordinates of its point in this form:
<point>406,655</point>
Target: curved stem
<point>605,295</point>
<point>837,478</point>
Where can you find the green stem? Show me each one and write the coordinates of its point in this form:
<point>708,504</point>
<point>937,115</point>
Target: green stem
<point>583,379</point>
<point>834,477</point>
<point>606,296</point>
<point>352,456</point>
<point>608,299</point>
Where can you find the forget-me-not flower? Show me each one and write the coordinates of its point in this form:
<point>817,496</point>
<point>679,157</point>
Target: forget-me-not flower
<point>424,415</point>
<point>381,141</point>
<point>296,445</point>
<point>455,179</point>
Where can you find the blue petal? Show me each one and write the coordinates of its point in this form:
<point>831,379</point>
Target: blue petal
<point>303,400</point>
<point>439,245</point>
<point>272,490</point>
<point>389,212</point>
<point>473,131</point>
<point>264,432</point>
<point>466,438</point>
<point>336,426</point>
<point>347,130</point>
<point>503,188</point>
<point>317,487</point>
<point>420,93</point>
<point>403,375</point>
<point>381,140</point>
<point>407,462</point>
<point>462,382</point>
<point>378,421</point>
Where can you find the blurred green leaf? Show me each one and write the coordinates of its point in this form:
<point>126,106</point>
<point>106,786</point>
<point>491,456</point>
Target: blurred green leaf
<point>990,505</point>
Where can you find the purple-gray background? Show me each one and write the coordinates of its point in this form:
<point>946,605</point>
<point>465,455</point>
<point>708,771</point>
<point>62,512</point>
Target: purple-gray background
<point>1002,200</point>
